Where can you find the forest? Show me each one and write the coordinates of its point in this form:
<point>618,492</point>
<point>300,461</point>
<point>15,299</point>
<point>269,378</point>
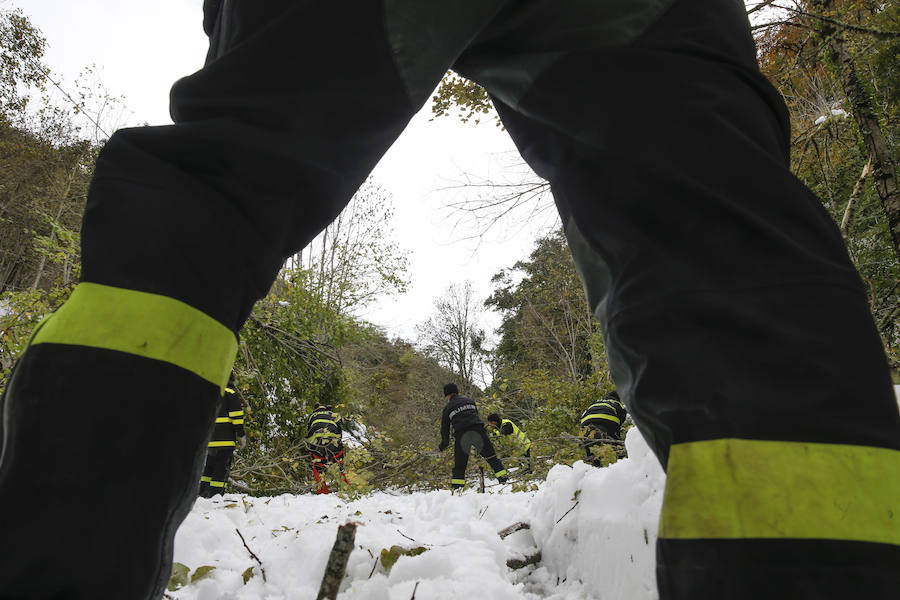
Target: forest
<point>836,64</point>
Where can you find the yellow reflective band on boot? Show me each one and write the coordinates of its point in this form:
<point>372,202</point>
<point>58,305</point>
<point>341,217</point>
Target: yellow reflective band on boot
<point>148,325</point>
<point>736,488</point>
<point>457,482</point>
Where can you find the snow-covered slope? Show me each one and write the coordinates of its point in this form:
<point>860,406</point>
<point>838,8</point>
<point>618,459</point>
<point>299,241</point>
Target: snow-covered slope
<point>595,528</point>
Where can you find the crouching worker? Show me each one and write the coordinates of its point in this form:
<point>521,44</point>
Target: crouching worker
<point>229,427</point>
<point>461,415</point>
<point>499,426</point>
<point>601,423</point>
<point>323,439</point>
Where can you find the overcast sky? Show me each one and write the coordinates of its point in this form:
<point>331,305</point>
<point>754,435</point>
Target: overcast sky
<point>141,48</point>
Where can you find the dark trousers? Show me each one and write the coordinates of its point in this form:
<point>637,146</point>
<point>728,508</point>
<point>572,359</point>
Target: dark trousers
<point>711,269</point>
<point>215,473</point>
<point>480,440</point>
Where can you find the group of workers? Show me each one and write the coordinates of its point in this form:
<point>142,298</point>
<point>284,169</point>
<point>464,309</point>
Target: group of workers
<point>323,442</point>
<point>601,425</point>
<point>737,328</point>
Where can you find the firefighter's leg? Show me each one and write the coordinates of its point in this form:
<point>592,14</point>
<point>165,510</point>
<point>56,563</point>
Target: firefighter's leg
<point>490,455</point>
<point>221,467</point>
<point>339,459</point>
<point>737,329</point>
<point>321,484</point>
<point>185,227</point>
<point>460,462</point>
<point>205,490</point>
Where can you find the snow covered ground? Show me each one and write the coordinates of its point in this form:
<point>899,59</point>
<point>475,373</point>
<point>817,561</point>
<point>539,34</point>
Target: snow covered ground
<point>595,528</point>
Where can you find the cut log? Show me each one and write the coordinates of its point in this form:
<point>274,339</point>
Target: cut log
<point>337,562</point>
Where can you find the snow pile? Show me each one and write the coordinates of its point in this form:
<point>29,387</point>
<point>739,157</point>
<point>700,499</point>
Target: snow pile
<point>609,540</point>
<point>836,113</point>
<point>595,528</point>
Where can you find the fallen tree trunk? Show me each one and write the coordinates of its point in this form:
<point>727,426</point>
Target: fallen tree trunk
<point>337,562</point>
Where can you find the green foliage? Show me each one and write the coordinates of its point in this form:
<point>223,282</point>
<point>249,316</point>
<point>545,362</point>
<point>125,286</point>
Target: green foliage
<point>180,577</point>
<point>20,313</point>
<point>248,574</point>
<point>469,99</point>
<point>21,49</point>
<point>389,557</point>
<point>202,573</point>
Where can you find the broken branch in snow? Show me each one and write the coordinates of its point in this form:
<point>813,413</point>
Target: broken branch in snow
<point>406,536</point>
<point>261,569</point>
<point>567,512</point>
<point>337,562</point>
<point>518,563</point>
<point>513,528</point>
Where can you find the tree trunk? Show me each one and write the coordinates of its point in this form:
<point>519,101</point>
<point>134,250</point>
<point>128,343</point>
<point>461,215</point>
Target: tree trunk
<point>337,562</point>
<point>863,110</point>
<point>848,212</point>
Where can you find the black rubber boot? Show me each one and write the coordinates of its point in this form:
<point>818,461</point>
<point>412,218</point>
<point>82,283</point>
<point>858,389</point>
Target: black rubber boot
<point>125,438</point>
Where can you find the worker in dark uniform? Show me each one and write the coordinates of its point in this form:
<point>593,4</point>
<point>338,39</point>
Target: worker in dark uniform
<point>228,434</point>
<point>323,440</point>
<point>601,423</point>
<point>461,416</point>
<point>710,267</point>
<point>498,426</point>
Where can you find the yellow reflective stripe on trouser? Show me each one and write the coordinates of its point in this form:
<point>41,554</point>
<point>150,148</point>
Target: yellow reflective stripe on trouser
<point>223,420</point>
<point>735,488</point>
<point>221,444</point>
<point>458,481</point>
<point>236,413</point>
<point>220,484</point>
<point>143,324</point>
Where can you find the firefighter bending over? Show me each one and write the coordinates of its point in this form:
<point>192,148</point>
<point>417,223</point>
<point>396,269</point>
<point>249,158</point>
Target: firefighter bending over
<point>323,439</point>
<point>461,414</point>
<point>499,426</point>
<point>601,422</point>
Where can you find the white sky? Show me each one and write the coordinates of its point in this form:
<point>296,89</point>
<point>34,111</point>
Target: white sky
<point>141,48</point>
